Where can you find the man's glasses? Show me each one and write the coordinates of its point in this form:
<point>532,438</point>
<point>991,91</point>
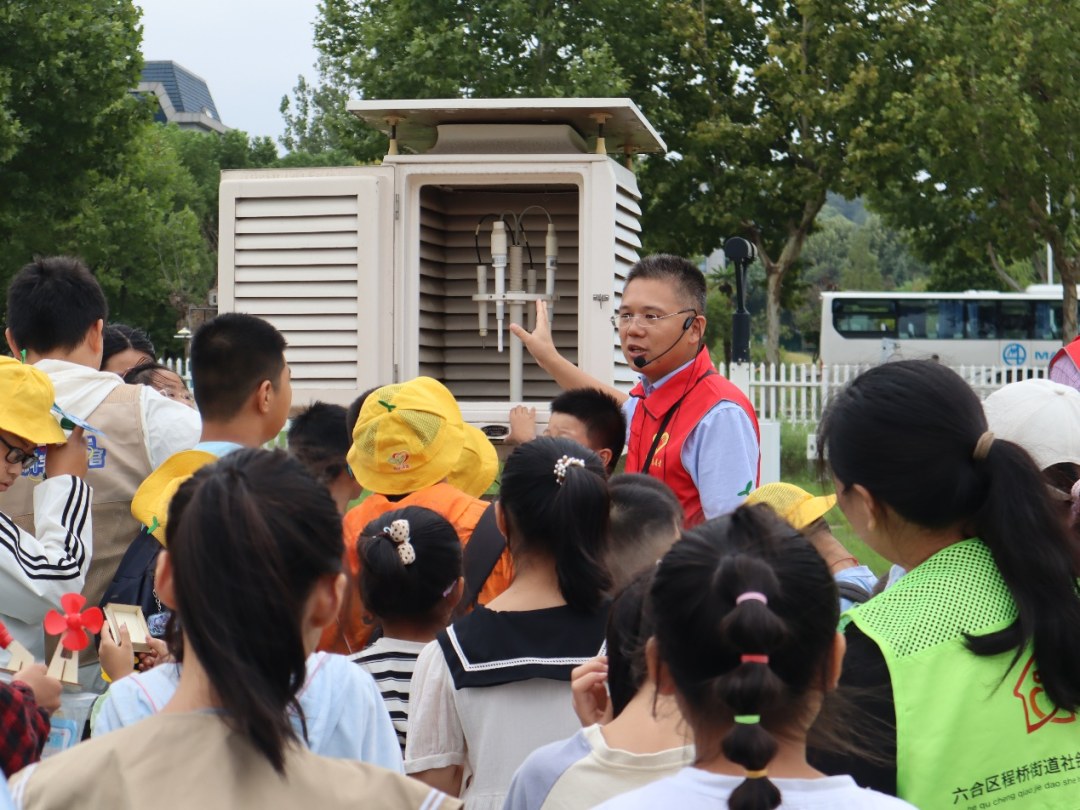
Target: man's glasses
<point>16,455</point>
<point>648,320</point>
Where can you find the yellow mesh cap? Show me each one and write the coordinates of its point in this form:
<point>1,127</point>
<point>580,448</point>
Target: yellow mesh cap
<point>26,397</point>
<point>797,506</point>
<point>150,504</point>
<point>407,437</point>
<point>478,465</point>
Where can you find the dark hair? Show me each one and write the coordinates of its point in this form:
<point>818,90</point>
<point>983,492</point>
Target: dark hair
<point>231,356</point>
<point>629,628</point>
<point>392,590</point>
<point>907,431</point>
<point>702,633</point>
<point>354,410</point>
<point>686,275</point>
<point>604,420</point>
<point>645,517</point>
<point>249,537</point>
<point>567,521</point>
<point>53,303</point>
<point>118,337</point>
<point>147,374</point>
<point>317,437</point>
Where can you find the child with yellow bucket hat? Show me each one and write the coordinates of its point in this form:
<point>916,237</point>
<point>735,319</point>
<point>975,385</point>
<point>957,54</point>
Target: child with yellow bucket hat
<point>36,571</point>
<point>412,448</point>
<point>806,513</point>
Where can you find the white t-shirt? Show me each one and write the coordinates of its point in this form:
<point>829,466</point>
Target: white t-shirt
<point>695,789</point>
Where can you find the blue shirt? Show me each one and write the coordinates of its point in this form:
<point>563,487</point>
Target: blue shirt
<point>219,449</point>
<point>343,708</point>
<point>720,454</point>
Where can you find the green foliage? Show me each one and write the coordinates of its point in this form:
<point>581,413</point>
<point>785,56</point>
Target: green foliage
<point>794,466</point>
<point>976,135</point>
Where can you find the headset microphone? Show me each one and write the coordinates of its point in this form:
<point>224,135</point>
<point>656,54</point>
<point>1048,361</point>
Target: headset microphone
<point>641,362</point>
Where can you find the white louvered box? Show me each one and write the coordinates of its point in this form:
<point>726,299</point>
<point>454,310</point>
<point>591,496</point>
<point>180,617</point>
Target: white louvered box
<point>370,271</point>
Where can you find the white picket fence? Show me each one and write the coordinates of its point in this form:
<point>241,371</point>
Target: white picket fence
<point>799,393</point>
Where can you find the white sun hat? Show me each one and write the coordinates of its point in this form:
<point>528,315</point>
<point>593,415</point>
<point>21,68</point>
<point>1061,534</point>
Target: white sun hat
<point>1041,416</point>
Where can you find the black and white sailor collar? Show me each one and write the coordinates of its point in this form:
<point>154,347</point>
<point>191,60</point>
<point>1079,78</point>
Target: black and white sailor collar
<point>489,648</point>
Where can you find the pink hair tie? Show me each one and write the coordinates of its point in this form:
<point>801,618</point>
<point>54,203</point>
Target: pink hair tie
<point>756,596</point>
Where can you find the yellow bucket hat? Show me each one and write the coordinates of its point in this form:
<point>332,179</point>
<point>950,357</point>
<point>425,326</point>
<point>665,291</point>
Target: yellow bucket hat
<point>150,506</point>
<point>408,437</point>
<point>478,464</point>
<point>26,399</point>
<point>797,506</point>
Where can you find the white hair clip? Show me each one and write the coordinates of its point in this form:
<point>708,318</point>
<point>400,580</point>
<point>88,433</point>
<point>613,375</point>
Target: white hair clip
<point>563,464</point>
<point>398,531</point>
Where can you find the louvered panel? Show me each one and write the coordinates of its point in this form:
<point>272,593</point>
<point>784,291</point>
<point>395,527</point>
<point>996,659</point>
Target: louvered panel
<point>289,324</point>
<point>299,289</point>
<point>487,390</point>
<point>321,337</point>
<point>296,241</point>
<point>327,272</point>
<point>298,306</point>
<point>297,257</point>
<point>291,206</point>
<point>567,344</point>
<point>627,243</point>
<point>298,224</point>
<point>320,353</point>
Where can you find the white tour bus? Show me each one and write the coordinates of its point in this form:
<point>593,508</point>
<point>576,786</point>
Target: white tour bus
<point>972,328</point>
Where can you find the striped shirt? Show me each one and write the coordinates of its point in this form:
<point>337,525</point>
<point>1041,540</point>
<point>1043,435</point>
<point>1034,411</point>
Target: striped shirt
<point>391,662</point>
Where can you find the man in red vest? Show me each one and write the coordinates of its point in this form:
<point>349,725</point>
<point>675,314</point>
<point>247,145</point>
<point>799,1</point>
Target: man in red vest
<point>687,425</point>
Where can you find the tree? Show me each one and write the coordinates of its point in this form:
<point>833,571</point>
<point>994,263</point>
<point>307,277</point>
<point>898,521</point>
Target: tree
<point>761,160</point>
<point>861,271</point>
<point>65,111</point>
<point>975,149</point>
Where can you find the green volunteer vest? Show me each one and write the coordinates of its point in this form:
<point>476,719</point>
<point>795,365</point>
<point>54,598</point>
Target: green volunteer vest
<point>964,737</point>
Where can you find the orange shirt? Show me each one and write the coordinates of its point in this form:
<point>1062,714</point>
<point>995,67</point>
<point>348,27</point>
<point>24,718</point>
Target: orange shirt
<point>351,632</point>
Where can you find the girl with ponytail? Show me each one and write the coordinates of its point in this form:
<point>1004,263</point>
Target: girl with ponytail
<point>745,613</point>
<point>973,656</point>
<point>253,568</point>
<point>496,684</point>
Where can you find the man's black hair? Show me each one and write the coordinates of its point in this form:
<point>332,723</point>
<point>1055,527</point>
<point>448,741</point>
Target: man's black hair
<point>317,436</point>
<point>231,356</point>
<point>53,303</point>
<point>605,423</point>
<point>645,514</point>
<point>354,410</point>
<point>683,273</point>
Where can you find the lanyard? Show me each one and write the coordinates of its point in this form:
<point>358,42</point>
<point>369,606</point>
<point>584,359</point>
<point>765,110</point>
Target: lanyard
<point>667,420</point>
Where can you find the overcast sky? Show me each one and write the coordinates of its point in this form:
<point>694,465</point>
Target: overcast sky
<point>248,51</point>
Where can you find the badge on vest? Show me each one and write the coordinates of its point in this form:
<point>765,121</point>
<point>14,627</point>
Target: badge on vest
<point>658,460</point>
<point>95,459</point>
<point>1038,711</point>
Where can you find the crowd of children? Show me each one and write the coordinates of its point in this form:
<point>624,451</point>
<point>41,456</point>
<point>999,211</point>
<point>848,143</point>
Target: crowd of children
<point>389,615</point>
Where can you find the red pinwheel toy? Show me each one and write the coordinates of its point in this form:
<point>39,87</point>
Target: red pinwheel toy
<point>74,628</point>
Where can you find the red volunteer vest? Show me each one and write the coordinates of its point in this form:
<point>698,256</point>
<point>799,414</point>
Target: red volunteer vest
<point>676,408</point>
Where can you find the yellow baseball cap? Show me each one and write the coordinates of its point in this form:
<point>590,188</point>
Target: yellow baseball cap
<point>408,436</point>
<point>797,506</point>
<point>26,399</point>
<point>477,465</point>
<point>150,506</point>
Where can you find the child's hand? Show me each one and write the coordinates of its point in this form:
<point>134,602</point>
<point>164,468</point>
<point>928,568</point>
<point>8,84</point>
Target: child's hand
<point>117,660</point>
<point>522,425</point>
<point>69,458</point>
<point>159,654</point>
<point>46,690</point>
<point>588,684</point>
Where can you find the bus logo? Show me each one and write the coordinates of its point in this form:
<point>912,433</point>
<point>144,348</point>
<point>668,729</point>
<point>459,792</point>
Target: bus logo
<point>1014,355</point>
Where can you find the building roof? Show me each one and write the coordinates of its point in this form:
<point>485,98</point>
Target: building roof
<point>184,96</point>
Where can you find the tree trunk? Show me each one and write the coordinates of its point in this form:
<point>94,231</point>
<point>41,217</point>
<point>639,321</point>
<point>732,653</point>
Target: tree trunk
<point>774,277</point>
<point>1069,270</point>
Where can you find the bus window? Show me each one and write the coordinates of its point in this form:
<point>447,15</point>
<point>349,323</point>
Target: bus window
<point>865,317</point>
<point>1047,320</point>
<point>1016,320</point>
<point>981,321</point>
<point>936,320</point>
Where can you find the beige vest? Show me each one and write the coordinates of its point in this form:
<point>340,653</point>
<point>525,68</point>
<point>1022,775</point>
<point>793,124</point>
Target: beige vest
<point>118,464</point>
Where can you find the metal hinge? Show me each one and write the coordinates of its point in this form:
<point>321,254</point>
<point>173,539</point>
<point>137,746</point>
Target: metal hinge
<point>395,373</point>
<point>397,206</point>
<point>600,298</point>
